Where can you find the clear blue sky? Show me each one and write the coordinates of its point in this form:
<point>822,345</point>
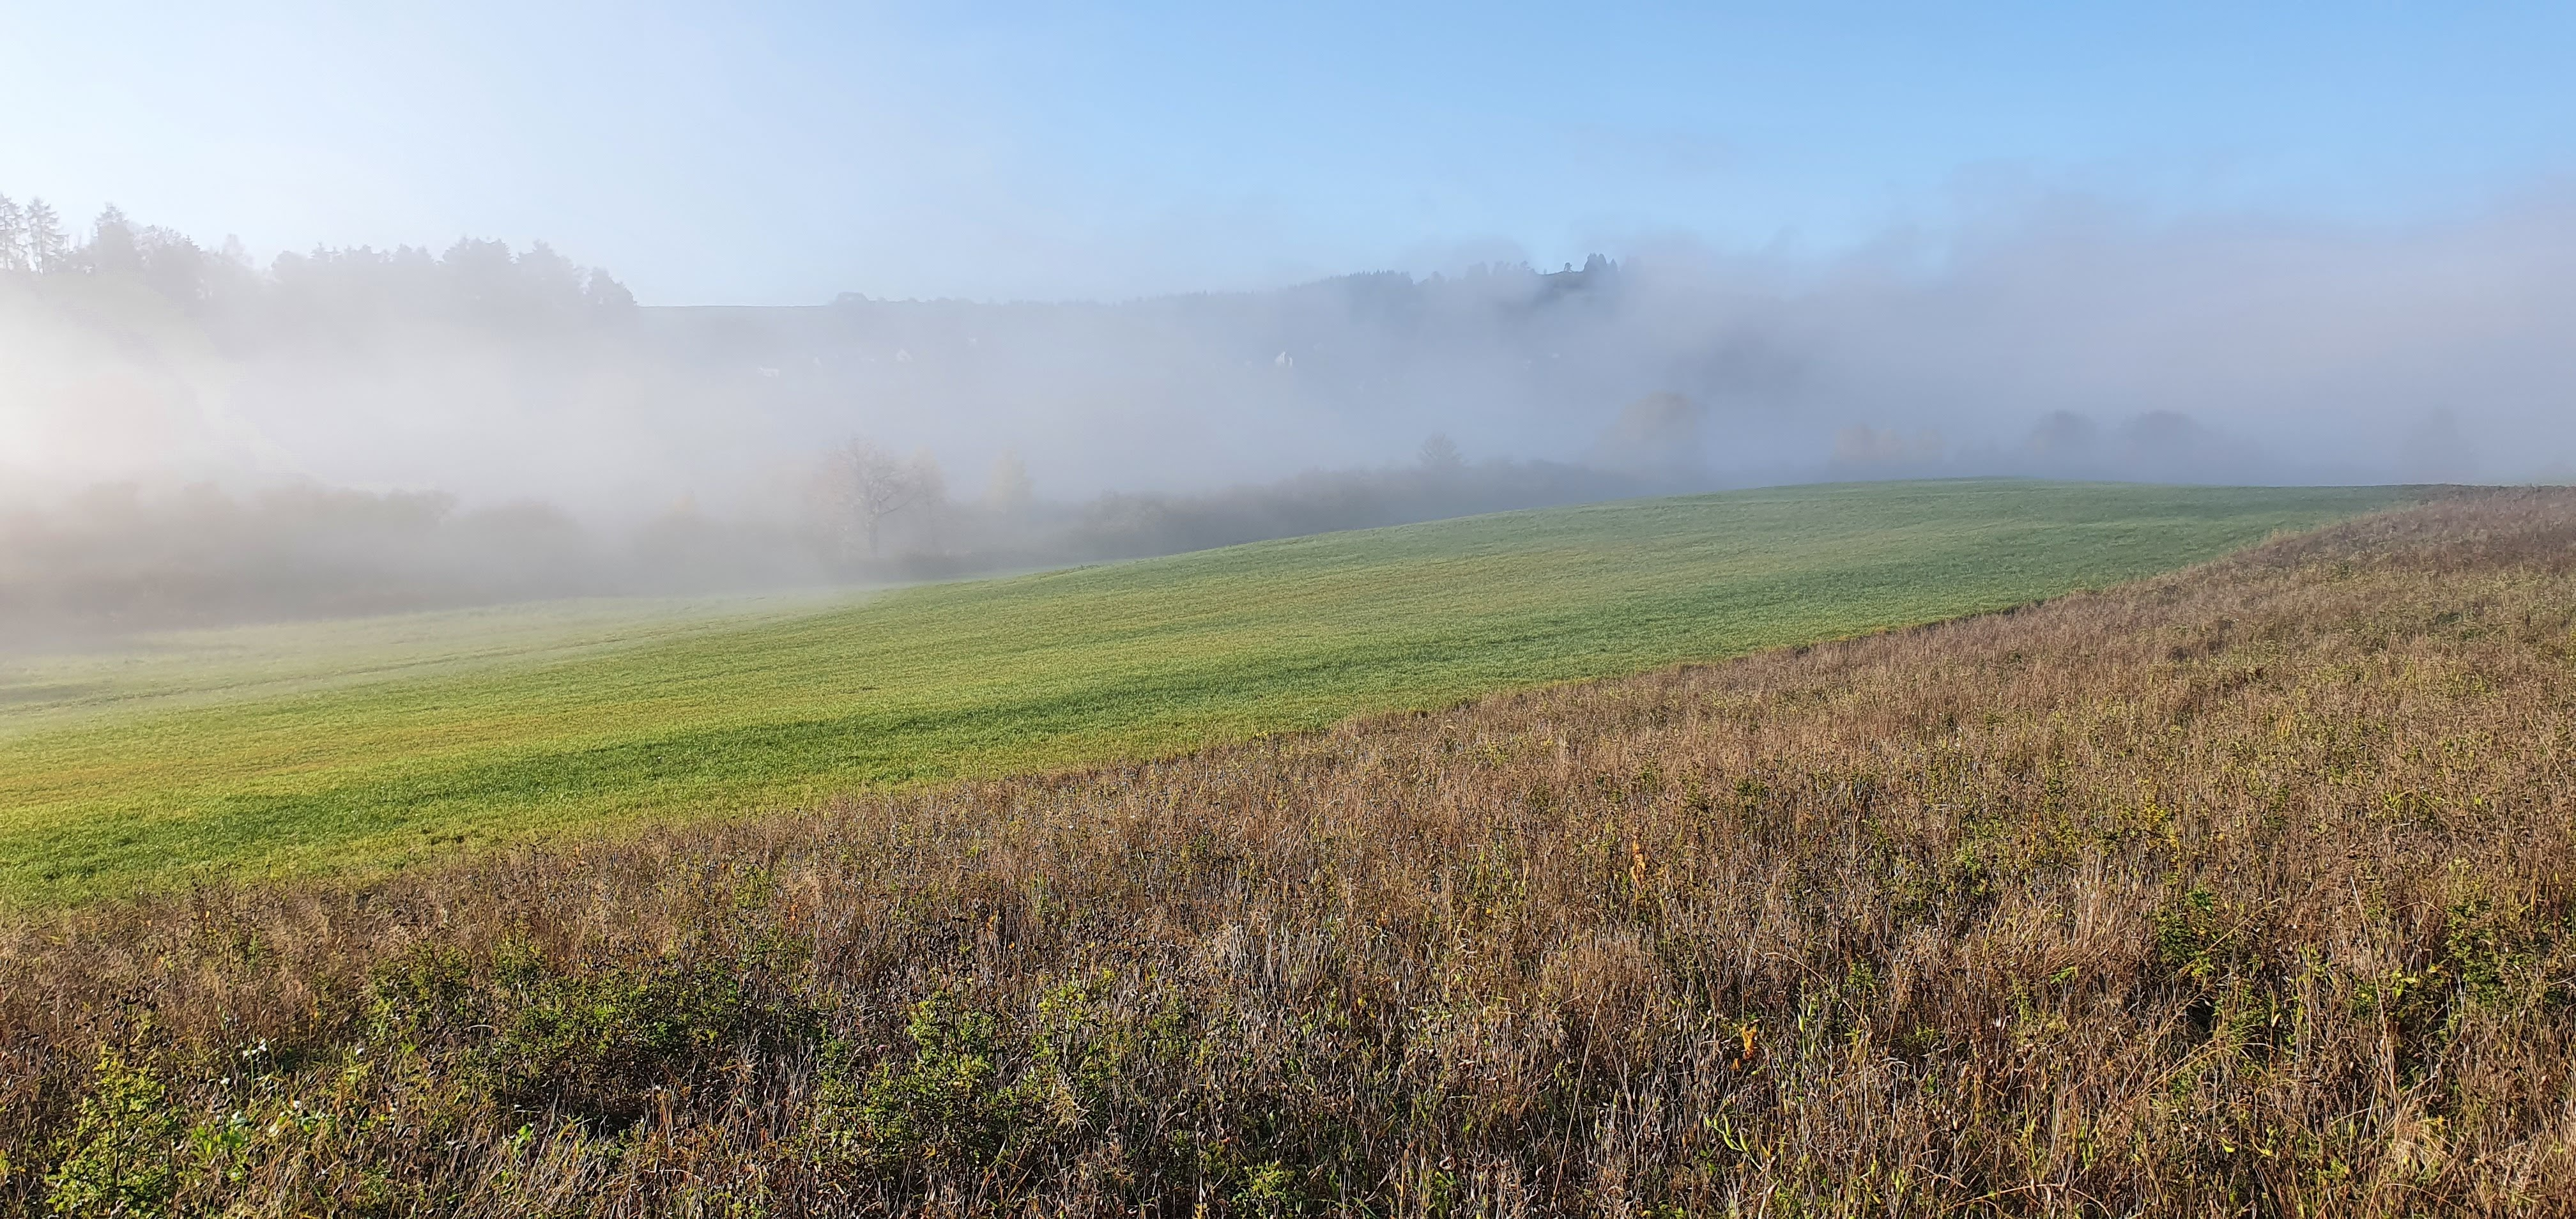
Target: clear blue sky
<point>784,152</point>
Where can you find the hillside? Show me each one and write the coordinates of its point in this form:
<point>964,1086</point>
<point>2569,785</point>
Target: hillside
<point>2245,889</point>
<point>1062,669</point>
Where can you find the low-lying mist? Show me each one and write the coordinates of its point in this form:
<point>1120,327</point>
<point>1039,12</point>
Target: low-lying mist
<point>187,437</point>
<point>115,560</point>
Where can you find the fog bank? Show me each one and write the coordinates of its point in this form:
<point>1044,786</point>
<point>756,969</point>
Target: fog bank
<point>490,421</point>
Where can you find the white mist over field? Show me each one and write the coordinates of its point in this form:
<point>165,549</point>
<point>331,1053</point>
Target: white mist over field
<point>2067,341</point>
<point>187,436</point>
<point>1284,269</point>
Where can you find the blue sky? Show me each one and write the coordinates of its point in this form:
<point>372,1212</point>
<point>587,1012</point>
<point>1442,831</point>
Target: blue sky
<point>780,153</point>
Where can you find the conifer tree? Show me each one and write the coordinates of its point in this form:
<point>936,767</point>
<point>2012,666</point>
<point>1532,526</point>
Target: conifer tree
<point>111,245</point>
<point>13,236</point>
<point>46,248</point>
<point>604,292</point>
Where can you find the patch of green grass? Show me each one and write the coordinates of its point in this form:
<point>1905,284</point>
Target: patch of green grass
<point>162,669</point>
<point>1055,670</point>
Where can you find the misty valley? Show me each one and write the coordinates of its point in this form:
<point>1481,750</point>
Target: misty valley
<point>353,431</point>
<point>1333,611</point>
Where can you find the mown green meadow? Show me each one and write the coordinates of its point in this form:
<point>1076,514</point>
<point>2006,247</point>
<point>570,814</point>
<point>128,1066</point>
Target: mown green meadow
<point>52,687</point>
<point>1054,670</point>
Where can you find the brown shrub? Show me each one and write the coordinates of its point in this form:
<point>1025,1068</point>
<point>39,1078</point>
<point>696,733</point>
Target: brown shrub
<point>2246,889</point>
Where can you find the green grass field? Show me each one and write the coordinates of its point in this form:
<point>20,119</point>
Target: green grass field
<point>106,792</point>
<point>170,669</point>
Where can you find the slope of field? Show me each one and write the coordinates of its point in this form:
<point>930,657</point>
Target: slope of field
<point>159,670</point>
<point>2245,890</point>
<point>1010,676</point>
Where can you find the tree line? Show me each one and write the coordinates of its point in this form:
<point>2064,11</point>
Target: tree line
<point>482,279</point>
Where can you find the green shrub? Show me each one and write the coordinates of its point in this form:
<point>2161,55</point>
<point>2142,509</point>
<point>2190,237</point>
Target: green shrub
<point>950,1104</point>
<point>595,1042</point>
<point>121,1156</point>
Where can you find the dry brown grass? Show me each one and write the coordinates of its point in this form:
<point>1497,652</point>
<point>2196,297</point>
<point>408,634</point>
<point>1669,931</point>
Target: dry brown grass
<point>2245,890</point>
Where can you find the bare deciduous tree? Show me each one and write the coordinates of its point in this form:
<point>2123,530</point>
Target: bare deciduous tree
<point>864,484</point>
<point>1439,454</point>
